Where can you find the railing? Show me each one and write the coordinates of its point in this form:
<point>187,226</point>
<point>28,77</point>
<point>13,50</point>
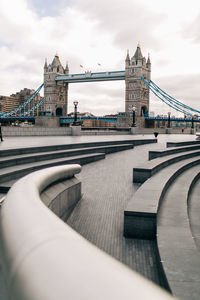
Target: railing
<point>44,259</point>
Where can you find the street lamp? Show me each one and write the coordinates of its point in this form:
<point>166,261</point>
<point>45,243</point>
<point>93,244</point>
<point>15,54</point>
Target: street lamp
<point>134,111</point>
<point>192,126</point>
<point>168,122</point>
<point>75,112</point>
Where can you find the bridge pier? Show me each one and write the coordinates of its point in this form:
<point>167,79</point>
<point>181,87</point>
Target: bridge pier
<point>47,121</point>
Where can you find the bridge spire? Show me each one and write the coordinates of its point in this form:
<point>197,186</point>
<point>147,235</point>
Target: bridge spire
<point>127,58</point>
<point>45,64</point>
<point>67,68</point>
<point>148,61</point>
<point>138,53</point>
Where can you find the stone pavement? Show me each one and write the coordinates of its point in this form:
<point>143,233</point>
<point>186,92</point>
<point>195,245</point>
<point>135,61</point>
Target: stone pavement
<point>107,187</point>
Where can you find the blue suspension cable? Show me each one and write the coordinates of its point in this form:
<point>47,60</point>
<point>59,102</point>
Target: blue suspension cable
<point>169,104</point>
<point>174,100</point>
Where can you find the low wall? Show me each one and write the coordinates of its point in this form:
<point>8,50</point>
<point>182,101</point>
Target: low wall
<point>35,131</point>
<point>59,131</point>
<point>45,259</point>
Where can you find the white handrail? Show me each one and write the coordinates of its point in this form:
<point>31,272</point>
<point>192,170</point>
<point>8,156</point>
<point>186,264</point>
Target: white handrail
<point>45,259</point>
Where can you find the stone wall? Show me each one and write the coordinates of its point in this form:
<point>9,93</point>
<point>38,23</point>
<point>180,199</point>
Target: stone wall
<point>35,131</point>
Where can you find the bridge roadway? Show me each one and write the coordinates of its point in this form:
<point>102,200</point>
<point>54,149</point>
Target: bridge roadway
<point>107,187</point>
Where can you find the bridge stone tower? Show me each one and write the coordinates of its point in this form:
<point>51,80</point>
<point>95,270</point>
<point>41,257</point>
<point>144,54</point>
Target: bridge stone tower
<point>55,93</point>
<point>137,93</point>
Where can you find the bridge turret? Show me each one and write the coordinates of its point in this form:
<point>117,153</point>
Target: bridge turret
<point>137,94</point>
<point>55,93</point>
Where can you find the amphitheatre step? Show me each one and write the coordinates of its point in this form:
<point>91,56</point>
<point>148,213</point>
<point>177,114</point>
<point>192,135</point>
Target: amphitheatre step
<point>140,214</point>
<point>177,250</point>
<point>178,144</point>
<point>165,152</point>
<point>148,169</point>
<point>28,150</point>
<point>15,172</point>
<point>194,212</point>
<point>28,158</point>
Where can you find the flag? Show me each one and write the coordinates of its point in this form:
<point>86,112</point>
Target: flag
<point>81,66</point>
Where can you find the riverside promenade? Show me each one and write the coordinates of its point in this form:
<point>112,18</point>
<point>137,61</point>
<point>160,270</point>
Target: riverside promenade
<point>107,187</point>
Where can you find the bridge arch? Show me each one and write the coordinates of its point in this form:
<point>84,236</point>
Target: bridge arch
<point>144,110</point>
<point>59,112</point>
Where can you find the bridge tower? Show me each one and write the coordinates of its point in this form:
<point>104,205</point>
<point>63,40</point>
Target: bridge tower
<point>55,93</point>
<point>137,93</point>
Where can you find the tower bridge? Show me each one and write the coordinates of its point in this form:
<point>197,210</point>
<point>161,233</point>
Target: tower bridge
<point>138,84</point>
<point>57,80</point>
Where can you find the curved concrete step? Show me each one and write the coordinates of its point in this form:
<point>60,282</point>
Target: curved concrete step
<point>9,175</point>
<point>140,214</point>
<point>178,144</point>
<point>28,150</point>
<point>33,157</point>
<point>165,152</point>
<point>194,211</point>
<point>178,253</point>
<point>148,169</point>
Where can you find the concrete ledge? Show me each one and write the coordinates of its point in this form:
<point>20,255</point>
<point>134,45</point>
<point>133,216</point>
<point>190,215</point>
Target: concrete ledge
<point>45,259</point>
<point>178,144</point>
<point>15,172</point>
<point>179,256</point>
<point>150,168</point>
<point>164,152</point>
<point>19,151</point>
<point>145,203</point>
<point>50,155</point>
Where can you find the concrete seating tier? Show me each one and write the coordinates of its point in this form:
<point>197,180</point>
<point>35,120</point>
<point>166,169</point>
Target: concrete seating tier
<point>15,163</point>
<point>178,144</point>
<point>10,174</point>
<point>43,258</point>
<point>140,215</point>
<point>178,252</point>
<point>142,173</point>
<point>19,151</point>
<point>165,152</point>
<point>194,210</point>
<point>28,158</point>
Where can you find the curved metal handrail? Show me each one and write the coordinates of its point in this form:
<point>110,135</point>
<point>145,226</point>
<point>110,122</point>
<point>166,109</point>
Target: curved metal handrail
<point>45,259</point>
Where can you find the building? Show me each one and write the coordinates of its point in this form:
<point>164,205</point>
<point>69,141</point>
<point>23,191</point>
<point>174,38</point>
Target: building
<point>8,103</point>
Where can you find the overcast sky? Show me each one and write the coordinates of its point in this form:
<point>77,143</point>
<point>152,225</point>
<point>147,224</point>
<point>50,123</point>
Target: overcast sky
<point>89,32</point>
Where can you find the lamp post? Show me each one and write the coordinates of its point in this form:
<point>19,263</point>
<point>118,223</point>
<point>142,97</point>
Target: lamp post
<point>168,122</point>
<point>75,112</point>
<point>192,126</point>
<point>134,111</point>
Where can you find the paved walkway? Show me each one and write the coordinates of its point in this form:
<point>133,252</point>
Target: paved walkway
<point>107,187</point>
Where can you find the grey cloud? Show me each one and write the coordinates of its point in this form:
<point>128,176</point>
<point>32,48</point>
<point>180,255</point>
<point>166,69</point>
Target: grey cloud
<point>191,30</point>
<point>129,21</point>
<point>184,88</point>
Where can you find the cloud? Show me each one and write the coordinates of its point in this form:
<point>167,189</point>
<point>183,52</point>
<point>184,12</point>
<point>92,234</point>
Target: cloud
<point>190,30</point>
<point>88,32</point>
<point>129,21</point>
<point>184,88</point>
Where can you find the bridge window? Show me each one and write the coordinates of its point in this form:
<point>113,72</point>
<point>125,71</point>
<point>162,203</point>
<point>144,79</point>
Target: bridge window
<point>132,96</point>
